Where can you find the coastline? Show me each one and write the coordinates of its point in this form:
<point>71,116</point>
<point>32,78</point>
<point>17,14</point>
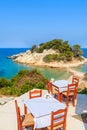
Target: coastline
<point>36,59</point>
<point>52,64</point>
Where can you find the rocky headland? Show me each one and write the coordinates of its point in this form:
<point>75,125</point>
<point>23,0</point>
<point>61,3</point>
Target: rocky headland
<point>36,59</point>
<point>54,54</point>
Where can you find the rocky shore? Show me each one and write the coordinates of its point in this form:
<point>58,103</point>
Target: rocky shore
<point>36,59</point>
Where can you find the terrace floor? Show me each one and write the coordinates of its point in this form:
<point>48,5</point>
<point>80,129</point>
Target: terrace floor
<point>8,114</point>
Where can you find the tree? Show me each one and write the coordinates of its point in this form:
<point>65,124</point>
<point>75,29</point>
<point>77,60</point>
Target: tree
<point>77,51</point>
<point>33,48</point>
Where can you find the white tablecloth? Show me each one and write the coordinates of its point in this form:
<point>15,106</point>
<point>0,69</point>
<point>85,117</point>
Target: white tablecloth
<point>41,109</point>
<point>61,85</point>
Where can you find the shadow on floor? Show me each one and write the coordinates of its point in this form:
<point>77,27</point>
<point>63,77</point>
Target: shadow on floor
<point>82,117</point>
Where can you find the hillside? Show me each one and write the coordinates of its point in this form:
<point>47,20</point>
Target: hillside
<point>23,82</point>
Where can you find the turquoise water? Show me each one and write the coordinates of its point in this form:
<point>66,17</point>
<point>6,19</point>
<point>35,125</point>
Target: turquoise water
<point>53,72</point>
<point>8,68</point>
<point>83,68</point>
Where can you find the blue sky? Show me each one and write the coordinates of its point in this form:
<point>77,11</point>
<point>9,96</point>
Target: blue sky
<point>24,23</point>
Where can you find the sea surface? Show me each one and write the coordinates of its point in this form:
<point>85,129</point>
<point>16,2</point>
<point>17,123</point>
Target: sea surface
<point>8,68</point>
<point>83,68</point>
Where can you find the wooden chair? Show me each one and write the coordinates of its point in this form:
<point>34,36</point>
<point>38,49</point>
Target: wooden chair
<point>35,93</point>
<point>70,94</point>
<point>53,90</point>
<point>58,120</point>
<point>25,120</point>
<point>75,80</point>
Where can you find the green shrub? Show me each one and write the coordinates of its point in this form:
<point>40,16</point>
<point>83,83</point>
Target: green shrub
<point>33,48</point>
<point>40,85</point>
<point>58,57</point>
<point>39,50</point>
<point>50,58</point>
<point>60,46</point>
<point>23,82</point>
<point>84,91</point>
<point>4,82</point>
<point>8,91</point>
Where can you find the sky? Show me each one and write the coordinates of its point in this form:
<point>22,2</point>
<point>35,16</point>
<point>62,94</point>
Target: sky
<point>24,23</point>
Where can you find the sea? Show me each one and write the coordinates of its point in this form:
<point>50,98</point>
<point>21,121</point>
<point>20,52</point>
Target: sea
<point>9,68</point>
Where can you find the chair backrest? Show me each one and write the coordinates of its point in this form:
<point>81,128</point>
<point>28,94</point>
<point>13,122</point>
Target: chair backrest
<point>75,80</point>
<point>58,119</point>
<point>19,120</point>
<point>35,93</point>
<point>49,84</point>
<point>47,81</point>
<point>71,89</point>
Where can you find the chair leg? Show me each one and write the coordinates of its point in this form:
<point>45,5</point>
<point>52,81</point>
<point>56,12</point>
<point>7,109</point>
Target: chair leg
<point>67,101</point>
<point>60,97</point>
<point>32,128</point>
<point>36,129</point>
<point>74,98</point>
<point>76,94</point>
<point>25,109</point>
<point>64,127</point>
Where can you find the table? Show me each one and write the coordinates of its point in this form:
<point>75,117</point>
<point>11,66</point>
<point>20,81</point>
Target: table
<point>61,85</point>
<point>41,109</point>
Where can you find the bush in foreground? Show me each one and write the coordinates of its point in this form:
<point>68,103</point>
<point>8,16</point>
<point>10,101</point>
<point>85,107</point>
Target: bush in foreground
<point>24,81</point>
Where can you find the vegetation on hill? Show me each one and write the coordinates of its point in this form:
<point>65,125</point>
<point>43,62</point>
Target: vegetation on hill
<point>64,52</point>
<point>26,80</point>
<point>83,91</point>
<point>23,82</point>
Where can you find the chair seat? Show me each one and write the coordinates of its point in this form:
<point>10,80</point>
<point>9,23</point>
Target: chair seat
<point>60,125</point>
<point>65,94</point>
<point>55,128</point>
<point>54,91</point>
<point>28,120</point>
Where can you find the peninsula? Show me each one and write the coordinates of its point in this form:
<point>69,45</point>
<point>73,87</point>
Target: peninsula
<point>55,53</point>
